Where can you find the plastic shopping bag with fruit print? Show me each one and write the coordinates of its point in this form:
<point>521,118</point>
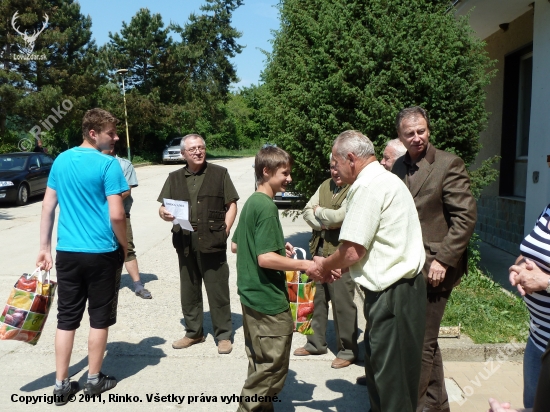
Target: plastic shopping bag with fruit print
<point>301,292</point>
<point>26,310</point>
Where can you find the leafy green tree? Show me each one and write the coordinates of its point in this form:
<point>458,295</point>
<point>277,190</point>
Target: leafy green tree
<point>141,47</point>
<point>12,80</point>
<point>345,64</point>
<point>33,90</point>
<point>201,68</point>
<point>175,87</point>
<point>208,42</point>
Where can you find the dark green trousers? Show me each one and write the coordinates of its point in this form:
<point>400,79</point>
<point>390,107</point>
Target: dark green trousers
<point>396,319</point>
<point>212,269</point>
<point>267,340</point>
<point>340,294</point>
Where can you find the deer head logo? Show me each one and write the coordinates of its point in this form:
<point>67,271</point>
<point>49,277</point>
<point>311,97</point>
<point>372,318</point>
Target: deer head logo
<point>29,39</point>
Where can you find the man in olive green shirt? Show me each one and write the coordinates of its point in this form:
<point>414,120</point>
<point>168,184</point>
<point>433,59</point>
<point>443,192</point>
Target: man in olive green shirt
<point>325,213</point>
<point>201,253</point>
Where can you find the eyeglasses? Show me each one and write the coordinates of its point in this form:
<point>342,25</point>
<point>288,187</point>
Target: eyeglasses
<point>196,149</point>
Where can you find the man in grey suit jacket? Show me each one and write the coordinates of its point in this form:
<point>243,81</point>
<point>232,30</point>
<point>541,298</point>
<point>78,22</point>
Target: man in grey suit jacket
<point>440,186</point>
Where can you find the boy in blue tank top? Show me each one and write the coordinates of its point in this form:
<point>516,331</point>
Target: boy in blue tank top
<point>91,247</point>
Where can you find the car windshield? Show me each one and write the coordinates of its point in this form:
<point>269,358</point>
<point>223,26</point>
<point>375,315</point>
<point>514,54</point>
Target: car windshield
<point>175,142</point>
<point>15,163</point>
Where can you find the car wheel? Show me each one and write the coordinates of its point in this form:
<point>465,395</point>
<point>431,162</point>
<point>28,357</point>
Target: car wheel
<point>22,195</point>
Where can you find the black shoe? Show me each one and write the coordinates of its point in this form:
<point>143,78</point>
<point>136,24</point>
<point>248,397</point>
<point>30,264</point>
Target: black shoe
<point>361,380</point>
<point>62,396</point>
<point>104,383</point>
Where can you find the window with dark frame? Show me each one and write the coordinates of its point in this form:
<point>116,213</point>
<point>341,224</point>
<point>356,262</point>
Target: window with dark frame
<point>516,116</point>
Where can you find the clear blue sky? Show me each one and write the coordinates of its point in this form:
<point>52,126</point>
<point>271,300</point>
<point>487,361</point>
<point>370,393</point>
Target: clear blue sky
<point>254,19</point>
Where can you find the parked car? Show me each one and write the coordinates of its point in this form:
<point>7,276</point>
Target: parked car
<point>172,152</point>
<point>23,175</point>
<point>286,198</point>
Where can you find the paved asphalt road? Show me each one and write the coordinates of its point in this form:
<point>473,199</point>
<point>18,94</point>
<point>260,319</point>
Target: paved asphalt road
<point>139,352</point>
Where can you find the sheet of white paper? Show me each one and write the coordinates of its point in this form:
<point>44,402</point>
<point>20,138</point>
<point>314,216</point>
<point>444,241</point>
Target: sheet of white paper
<point>180,210</point>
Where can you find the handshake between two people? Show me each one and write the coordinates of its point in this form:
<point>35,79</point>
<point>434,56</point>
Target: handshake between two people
<point>314,268</point>
<point>318,272</point>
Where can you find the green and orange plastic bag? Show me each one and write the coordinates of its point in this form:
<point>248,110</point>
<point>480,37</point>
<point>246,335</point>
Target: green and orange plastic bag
<point>301,292</point>
<point>27,308</point>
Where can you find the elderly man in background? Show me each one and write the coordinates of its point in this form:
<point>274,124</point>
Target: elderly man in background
<point>382,247</point>
<point>202,257</point>
<point>393,151</point>
<point>440,186</point>
<point>325,213</point>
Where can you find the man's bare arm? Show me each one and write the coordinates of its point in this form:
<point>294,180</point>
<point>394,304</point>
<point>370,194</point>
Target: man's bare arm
<point>272,260</point>
<point>118,220</point>
<point>230,215</point>
<point>126,193</point>
<point>345,256</point>
<point>44,259</point>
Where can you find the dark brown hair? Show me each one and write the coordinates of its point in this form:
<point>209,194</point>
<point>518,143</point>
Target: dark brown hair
<point>272,158</point>
<point>414,111</point>
<point>96,119</point>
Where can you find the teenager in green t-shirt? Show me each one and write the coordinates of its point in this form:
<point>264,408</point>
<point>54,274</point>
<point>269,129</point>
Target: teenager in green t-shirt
<point>262,259</point>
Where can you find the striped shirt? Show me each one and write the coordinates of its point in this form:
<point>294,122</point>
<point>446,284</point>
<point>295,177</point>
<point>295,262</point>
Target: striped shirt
<point>536,246</point>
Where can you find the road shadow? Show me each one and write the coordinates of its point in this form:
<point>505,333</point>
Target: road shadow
<point>5,215</point>
<point>354,397</point>
<point>5,207</point>
<point>295,391</point>
<point>236,321</point>
<point>127,282</point>
<point>143,354</point>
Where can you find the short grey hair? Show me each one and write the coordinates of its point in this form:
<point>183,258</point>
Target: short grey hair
<point>353,141</point>
<point>191,136</point>
<point>398,146</point>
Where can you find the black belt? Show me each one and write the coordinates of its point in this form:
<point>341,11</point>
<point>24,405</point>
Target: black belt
<point>127,215</point>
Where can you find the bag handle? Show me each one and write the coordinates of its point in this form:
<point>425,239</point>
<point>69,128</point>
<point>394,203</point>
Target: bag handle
<point>39,274</point>
<point>296,249</point>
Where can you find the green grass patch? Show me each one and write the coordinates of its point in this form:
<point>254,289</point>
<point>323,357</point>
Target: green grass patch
<point>487,313</point>
<point>136,159</point>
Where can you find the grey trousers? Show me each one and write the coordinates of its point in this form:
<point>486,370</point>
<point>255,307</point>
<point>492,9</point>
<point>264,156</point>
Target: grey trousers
<point>344,310</point>
<point>212,269</point>
<point>396,320</point>
<point>268,339</point>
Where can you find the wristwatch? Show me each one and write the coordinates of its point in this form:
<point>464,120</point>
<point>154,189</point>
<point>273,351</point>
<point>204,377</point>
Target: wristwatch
<point>548,287</point>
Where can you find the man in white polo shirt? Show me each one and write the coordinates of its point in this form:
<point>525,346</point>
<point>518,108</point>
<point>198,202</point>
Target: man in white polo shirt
<point>383,250</point>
